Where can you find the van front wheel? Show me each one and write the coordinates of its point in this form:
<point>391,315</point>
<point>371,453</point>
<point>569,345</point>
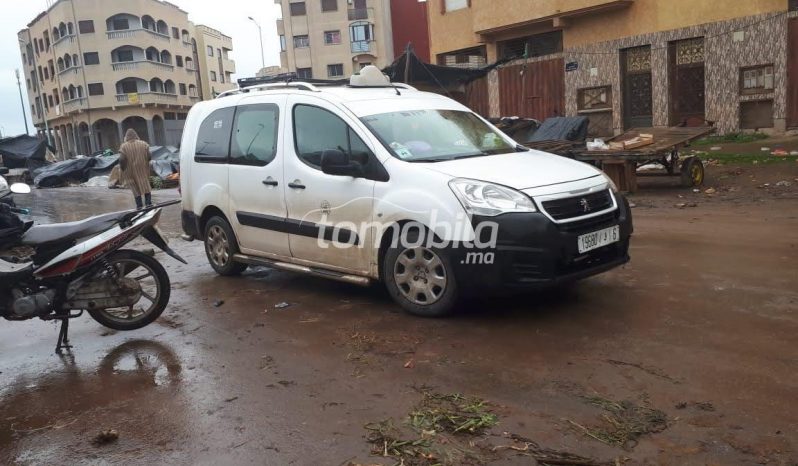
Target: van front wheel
<point>421,279</point>
<point>220,247</point>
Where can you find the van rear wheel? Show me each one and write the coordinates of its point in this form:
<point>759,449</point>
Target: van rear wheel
<point>221,246</point>
<point>420,278</point>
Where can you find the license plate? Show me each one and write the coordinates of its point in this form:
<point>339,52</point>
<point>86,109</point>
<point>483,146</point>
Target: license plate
<point>599,239</point>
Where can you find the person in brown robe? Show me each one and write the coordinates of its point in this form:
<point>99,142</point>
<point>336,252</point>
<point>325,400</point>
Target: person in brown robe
<point>135,164</point>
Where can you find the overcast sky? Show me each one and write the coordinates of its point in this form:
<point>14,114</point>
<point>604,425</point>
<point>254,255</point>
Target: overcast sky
<point>229,16</point>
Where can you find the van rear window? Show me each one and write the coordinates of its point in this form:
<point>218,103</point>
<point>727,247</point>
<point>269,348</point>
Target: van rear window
<point>213,139</point>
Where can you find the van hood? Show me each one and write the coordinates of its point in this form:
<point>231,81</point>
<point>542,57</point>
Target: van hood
<point>520,170</point>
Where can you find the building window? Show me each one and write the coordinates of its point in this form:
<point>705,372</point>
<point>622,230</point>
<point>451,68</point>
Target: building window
<point>86,27</point>
<point>792,5</point>
<point>595,98</point>
<point>304,73</point>
<point>171,116</point>
<point>124,55</point>
<point>453,5</point>
<point>537,45</point>
<point>757,80</point>
<point>335,70</point>
<point>329,5</point>
<point>469,58</point>
<point>91,58</point>
<point>121,24</point>
<point>282,43</point>
<point>96,89</point>
<point>361,34</point>
<point>210,51</point>
<point>332,37</point>
<point>297,8</point>
<point>365,64</point>
<point>213,76</point>
<point>175,33</point>
<point>182,116</point>
<point>301,41</point>
<point>179,61</point>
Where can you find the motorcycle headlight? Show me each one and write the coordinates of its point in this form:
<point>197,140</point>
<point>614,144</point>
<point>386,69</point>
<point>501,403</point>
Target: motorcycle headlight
<point>612,184</point>
<point>488,199</point>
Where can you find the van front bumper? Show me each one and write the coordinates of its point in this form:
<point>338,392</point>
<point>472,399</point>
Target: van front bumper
<point>533,252</point>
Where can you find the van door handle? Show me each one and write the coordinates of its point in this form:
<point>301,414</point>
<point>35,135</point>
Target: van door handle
<point>296,185</point>
<point>270,182</point>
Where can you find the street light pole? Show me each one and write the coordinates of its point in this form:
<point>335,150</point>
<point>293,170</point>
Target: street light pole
<point>22,103</point>
<point>262,52</point>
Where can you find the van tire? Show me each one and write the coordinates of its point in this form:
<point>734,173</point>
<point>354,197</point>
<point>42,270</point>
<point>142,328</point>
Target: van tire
<point>221,246</point>
<point>441,271</point>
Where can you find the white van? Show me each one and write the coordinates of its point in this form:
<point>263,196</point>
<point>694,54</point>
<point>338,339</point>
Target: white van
<point>381,182</point>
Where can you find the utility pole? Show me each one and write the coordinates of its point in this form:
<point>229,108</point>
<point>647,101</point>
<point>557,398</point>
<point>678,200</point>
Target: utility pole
<point>262,52</point>
<point>22,103</point>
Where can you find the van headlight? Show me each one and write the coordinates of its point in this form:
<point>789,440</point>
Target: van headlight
<point>488,199</point>
<point>612,184</point>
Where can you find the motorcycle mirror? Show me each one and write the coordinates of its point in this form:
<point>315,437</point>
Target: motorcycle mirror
<point>20,188</point>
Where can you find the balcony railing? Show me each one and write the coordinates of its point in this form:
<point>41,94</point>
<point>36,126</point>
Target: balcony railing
<point>64,40</point>
<point>361,46</point>
<point>75,104</point>
<point>131,33</point>
<point>146,98</point>
<point>71,69</point>
<point>140,64</point>
<point>357,14</point>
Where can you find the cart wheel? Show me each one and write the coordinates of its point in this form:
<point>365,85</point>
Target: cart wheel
<point>692,172</point>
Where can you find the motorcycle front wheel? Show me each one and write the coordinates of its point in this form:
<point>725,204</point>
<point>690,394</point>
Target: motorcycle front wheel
<point>155,292</point>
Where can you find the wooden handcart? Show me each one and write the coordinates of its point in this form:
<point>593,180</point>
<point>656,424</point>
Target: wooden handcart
<point>622,164</point>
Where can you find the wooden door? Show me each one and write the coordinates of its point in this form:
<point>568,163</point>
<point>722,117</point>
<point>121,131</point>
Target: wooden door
<point>533,90</point>
<point>686,64</point>
<point>638,107</point>
<point>792,74</point>
<point>476,97</point>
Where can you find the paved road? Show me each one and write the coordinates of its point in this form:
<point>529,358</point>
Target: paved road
<point>701,325</point>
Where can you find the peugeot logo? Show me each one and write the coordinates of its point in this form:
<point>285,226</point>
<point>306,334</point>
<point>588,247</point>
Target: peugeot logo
<point>585,205</point>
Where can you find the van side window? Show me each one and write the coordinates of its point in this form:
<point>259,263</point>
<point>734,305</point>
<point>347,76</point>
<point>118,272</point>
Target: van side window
<point>317,130</point>
<point>213,138</point>
<point>254,139</point>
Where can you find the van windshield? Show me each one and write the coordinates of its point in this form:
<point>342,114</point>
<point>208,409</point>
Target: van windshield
<point>436,135</point>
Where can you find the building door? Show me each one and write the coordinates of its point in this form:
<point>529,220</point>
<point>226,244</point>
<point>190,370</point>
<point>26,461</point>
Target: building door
<point>792,74</point>
<point>686,64</point>
<point>637,91</point>
<point>534,90</point>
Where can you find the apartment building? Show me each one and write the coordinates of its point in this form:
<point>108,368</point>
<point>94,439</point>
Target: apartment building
<point>629,63</point>
<point>95,68</point>
<point>332,39</point>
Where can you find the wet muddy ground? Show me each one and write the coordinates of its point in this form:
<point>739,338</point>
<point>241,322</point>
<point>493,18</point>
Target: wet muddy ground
<point>698,332</point>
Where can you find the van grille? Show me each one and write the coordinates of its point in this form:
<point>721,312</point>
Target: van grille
<point>579,206</point>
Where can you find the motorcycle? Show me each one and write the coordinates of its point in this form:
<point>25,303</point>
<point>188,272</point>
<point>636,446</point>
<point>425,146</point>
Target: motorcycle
<point>57,272</point>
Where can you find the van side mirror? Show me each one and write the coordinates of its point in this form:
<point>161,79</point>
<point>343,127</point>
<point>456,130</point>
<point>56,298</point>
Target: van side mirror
<point>336,163</point>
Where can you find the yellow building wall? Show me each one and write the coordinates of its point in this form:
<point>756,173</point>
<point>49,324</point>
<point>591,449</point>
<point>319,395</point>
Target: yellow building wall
<point>457,30</point>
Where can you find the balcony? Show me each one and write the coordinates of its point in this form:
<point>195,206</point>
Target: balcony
<point>489,20</point>
<point>229,65</point>
<point>74,105</point>
<point>146,98</point>
<point>64,40</point>
<point>141,64</point>
<point>359,14</point>
<point>134,33</point>
<point>72,69</point>
<point>361,46</point>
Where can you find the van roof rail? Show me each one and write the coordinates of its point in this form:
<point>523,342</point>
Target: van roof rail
<point>265,87</point>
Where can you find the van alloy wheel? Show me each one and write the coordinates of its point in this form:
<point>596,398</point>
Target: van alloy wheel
<point>420,275</point>
<point>218,246</point>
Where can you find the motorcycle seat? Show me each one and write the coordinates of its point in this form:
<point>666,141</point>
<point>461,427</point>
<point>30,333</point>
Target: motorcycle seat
<point>67,232</point>
<point>10,271</point>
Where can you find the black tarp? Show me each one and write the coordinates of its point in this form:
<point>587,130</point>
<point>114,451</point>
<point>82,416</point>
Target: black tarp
<point>419,72</point>
<point>61,173</point>
<point>103,165</point>
<point>24,152</point>
<point>562,129</point>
